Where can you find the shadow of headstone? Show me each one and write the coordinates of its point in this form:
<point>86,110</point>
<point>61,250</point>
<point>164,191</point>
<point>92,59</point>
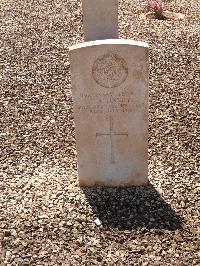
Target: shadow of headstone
<point>132,208</point>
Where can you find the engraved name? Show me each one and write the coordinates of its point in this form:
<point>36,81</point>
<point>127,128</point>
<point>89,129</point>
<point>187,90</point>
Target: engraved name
<point>106,103</point>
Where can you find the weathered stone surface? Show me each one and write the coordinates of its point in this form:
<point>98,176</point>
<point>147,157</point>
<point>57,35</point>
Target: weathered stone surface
<point>110,93</point>
<point>100,19</point>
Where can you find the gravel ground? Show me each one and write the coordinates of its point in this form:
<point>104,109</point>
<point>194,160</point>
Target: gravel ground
<point>45,218</point>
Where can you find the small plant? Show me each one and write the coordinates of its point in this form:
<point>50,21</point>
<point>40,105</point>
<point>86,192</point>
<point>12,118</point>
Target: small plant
<point>156,7</point>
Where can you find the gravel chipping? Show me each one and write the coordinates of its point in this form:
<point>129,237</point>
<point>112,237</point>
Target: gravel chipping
<point>45,217</point>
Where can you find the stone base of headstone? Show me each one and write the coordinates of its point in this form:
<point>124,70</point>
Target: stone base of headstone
<point>167,15</point>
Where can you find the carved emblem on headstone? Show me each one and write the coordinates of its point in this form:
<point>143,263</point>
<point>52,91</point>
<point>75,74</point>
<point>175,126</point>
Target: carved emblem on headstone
<point>110,70</point>
<point>112,134</point>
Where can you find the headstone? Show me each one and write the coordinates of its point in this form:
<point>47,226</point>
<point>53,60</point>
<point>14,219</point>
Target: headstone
<point>100,19</point>
<point>110,94</point>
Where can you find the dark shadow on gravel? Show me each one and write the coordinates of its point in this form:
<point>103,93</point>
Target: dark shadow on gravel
<point>132,208</point>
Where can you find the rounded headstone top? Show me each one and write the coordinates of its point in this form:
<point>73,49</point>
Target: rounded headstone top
<point>110,70</point>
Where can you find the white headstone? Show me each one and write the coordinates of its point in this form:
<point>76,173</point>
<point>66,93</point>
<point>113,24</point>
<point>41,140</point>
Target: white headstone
<point>100,19</point>
<point>110,94</point>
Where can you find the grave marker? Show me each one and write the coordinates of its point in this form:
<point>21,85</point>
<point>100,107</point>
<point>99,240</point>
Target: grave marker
<point>110,94</point>
<point>100,19</point>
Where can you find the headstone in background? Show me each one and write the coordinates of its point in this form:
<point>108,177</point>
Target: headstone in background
<point>110,94</point>
<point>100,19</point>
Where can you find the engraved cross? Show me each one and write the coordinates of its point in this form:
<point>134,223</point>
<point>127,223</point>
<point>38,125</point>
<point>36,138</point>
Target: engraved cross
<point>111,134</point>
